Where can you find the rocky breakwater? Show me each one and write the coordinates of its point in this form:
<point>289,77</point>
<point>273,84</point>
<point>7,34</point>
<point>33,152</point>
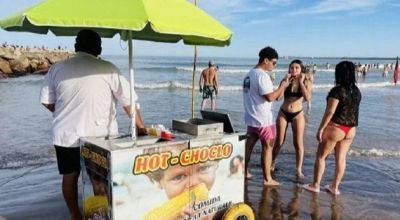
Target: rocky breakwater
<point>19,61</point>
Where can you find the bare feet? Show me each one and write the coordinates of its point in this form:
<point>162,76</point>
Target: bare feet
<point>271,182</point>
<point>332,191</point>
<point>300,175</point>
<point>310,187</point>
<point>248,175</point>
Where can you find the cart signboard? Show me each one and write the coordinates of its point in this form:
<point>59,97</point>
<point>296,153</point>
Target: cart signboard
<point>192,179</point>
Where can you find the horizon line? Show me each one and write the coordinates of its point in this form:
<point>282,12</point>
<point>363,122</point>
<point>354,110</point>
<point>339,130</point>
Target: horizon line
<point>281,57</point>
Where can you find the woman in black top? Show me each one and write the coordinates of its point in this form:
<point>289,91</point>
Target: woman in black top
<point>299,89</point>
<point>338,126</point>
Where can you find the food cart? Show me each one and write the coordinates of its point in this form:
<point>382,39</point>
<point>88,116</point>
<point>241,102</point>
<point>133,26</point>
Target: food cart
<point>196,175</point>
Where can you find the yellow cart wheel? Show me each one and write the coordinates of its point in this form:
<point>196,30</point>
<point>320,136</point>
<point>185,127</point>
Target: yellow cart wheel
<point>239,211</point>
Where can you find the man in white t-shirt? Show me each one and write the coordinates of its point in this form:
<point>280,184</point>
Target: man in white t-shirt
<point>82,92</point>
<point>258,94</point>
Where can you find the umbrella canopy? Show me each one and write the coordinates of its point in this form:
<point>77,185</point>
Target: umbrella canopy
<point>153,20</point>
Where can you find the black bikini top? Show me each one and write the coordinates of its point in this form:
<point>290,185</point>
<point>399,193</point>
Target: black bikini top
<point>289,93</point>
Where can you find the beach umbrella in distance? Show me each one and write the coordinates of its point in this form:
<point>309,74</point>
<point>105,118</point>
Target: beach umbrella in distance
<point>396,72</point>
<point>153,20</point>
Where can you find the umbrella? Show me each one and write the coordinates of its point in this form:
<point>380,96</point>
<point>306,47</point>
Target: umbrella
<point>153,20</point>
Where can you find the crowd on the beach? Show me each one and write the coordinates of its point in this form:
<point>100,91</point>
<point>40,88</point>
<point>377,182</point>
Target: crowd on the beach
<point>335,133</point>
<point>361,69</point>
<point>32,49</point>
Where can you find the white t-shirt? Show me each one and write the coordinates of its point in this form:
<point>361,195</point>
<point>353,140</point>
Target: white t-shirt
<point>257,110</point>
<point>84,90</point>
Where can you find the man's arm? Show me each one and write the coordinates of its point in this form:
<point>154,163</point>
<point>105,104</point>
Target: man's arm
<point>330,109</point>
<point>138,119</point>
<point>50,107</point>
<point>276,94</point>
<point>280,96</point>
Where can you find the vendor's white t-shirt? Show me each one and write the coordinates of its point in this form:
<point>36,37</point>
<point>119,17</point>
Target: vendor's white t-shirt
<point>84,90</point>
<point>257,110</point>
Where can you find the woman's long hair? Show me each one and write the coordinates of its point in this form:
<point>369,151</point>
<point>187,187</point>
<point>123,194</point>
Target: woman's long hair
<point>345,76</point>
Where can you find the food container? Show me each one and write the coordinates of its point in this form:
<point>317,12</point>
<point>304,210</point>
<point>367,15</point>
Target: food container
<point>198,127</point>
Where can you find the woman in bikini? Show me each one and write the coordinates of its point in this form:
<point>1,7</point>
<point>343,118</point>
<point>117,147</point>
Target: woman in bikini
<point>291,111</point>
<point>338,126</point>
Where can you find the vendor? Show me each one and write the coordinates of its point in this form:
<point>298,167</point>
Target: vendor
<point>82,92</point>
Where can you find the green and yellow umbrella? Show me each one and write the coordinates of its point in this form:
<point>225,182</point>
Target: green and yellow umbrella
<point>152,20</point>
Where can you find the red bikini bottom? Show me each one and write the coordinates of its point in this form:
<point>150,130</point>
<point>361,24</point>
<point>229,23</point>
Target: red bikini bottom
<point>344,128</point>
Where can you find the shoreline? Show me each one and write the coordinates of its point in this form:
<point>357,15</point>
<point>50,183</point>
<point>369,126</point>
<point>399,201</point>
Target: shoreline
<point>34,193</point>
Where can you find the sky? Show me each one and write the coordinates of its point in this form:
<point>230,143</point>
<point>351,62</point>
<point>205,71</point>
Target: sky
<point>312,28</point>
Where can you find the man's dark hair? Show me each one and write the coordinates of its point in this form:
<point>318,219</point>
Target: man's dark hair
<point>88,41</point>
<point>267,52</point>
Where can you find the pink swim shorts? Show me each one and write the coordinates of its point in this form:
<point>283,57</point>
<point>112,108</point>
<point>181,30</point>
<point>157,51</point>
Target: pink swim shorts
<point>265,133</point>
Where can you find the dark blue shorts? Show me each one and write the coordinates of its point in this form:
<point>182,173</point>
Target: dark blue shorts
<point>68,159</point>
<point>208,92</point>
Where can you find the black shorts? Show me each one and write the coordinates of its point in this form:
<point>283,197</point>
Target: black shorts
<point>68,159</point>
<point>208,91</point>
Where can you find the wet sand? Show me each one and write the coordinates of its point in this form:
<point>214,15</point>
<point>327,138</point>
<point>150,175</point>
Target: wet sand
<point>366,192</point>
<point>35,194</point>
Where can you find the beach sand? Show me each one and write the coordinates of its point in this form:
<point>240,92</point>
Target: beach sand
<point>35,194</point>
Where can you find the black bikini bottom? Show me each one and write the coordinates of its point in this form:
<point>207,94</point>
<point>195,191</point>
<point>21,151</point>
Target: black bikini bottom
<point>290,115</point>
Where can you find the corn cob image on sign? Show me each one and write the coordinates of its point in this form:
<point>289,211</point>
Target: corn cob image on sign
<point>196,179</point>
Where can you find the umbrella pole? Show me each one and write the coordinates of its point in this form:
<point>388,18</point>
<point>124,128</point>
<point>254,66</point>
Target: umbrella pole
<point>193,75</point>
<point>132,87</point>
<point>194,70</point>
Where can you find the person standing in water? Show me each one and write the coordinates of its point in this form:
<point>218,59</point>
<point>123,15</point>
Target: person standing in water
<point>208,85</point>
<point>310,77</point>
<point>338,127</point>
<point>385,70</point>
<point>291,111</point>
<point>82,92</point>
<point>258,95</point>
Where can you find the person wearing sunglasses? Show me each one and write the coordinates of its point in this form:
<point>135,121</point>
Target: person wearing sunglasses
<point>258,95</point>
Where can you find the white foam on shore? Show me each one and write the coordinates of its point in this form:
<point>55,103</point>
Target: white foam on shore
<point>18,163</point>
<point>374,85</point>
<point>374,153</point>
<point>180,85</point>
<point>24,79</point>
<point>355,152</point>
<point>225,70</point>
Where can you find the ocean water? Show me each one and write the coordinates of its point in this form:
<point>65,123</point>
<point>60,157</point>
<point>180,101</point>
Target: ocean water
<point>164,88</point>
